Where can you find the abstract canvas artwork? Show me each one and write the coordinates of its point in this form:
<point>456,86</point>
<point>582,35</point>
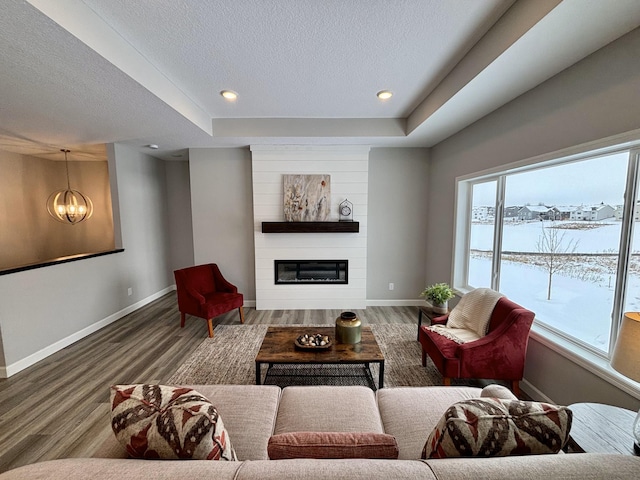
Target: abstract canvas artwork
<point>307,198</point>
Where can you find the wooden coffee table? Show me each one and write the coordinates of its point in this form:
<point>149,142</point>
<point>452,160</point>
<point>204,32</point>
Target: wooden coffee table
<point>278,348</point>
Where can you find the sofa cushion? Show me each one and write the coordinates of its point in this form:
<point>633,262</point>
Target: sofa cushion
<point>164,422</point>
<point>332,445</point>
<point>490,427</point>
<point>409,413</point>
<point>249,413</point>
<point>328,409</point>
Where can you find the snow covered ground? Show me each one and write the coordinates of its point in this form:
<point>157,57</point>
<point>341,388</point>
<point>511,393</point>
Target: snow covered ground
<point>579,307</point>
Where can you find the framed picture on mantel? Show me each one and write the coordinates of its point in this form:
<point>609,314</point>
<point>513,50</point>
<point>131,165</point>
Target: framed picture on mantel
<point>307,198</point>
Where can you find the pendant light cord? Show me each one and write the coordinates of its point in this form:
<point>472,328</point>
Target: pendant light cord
<point>66,162</point>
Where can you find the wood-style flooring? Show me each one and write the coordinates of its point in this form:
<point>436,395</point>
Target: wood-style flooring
<point>59,408</point>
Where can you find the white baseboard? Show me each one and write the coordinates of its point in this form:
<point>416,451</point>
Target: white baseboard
<point>9,370</point>
<point>533,392</point>
<point>412,302</point>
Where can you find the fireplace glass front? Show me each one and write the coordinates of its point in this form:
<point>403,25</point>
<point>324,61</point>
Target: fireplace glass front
<point>311,271</point>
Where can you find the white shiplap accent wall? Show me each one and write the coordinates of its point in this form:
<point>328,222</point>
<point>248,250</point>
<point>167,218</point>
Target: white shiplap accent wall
<point>349,170</point>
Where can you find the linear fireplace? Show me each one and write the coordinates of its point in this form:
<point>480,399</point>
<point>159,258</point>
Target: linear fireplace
<point>289,272</point>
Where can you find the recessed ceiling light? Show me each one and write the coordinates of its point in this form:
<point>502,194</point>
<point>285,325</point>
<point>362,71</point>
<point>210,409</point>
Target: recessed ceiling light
<point>384,94</point>
<point>152,146</point>
<point>229,94</point>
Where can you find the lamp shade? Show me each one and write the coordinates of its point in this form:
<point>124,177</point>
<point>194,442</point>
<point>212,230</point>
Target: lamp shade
<point>626,354</point>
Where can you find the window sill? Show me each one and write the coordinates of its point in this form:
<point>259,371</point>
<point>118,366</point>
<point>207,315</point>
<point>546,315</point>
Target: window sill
<point>586,359</point>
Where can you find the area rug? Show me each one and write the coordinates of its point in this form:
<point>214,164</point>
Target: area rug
<point>229,357</point>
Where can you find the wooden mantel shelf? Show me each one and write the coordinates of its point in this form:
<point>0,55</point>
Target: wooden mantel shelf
<point>310,227</point>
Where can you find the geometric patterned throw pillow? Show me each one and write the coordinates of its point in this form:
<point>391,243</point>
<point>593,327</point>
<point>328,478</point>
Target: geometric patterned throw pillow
<point>163,422</point>
<point>490,427</point>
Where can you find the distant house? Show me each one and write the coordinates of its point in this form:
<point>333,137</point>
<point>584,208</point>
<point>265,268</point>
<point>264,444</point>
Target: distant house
<point>593,212</point>
<point>619,209</point>
<point>535,212</point>
<point>483,213</point>
<point>618,212</point>
<point>564,212</point>
<point>511,212</point>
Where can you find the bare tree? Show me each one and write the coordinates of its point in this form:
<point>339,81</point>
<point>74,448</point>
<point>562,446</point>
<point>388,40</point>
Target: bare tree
<point>556,254</point>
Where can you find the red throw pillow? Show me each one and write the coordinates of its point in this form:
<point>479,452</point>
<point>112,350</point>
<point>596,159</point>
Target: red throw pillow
<point>332,445</point>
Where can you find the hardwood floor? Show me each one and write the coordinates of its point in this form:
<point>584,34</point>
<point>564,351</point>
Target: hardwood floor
<point>59,408</point>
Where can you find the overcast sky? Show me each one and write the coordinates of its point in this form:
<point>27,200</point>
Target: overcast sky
<point>582,183</point>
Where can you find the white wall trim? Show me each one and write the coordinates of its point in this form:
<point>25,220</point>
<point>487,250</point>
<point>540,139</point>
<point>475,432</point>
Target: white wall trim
<point>534,392</point>
<point>9,370</point>
<point>411,302</point>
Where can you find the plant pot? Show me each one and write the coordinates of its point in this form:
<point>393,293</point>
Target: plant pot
<point>442,308</point>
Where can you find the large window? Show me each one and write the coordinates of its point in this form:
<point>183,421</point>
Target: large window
<point>558,238</point>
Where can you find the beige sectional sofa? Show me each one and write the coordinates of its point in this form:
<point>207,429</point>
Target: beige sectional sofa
<point>252,414</point>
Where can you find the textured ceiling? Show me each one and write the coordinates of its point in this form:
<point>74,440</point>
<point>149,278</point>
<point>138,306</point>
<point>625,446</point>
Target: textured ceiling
<point>75,73</point>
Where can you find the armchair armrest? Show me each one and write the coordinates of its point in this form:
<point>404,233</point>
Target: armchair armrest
<point>481,349</point>
<point>195,295</point>
<point>222,285</point>
<point>441,320</point>
<point>504,349</point>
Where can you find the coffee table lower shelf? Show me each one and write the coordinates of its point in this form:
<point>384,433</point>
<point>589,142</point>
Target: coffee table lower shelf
<point>288,374</point>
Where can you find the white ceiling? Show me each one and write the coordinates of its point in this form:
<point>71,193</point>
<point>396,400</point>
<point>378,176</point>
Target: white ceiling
<point>81,73</point>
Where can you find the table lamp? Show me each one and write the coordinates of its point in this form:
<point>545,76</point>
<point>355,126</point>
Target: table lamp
<point>626,359</point>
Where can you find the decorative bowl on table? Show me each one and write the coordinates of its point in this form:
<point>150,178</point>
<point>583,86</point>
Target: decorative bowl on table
<point>313,341</point>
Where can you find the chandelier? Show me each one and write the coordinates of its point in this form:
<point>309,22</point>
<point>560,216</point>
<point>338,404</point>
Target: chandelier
<point>69,206</point>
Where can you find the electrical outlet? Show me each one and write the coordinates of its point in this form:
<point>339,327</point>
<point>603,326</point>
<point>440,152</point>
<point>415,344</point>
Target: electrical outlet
<point>129,291</point>
<point>391,286</point>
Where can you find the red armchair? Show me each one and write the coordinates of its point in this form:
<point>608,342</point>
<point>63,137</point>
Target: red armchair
<point>203,292</point>
<point>499,355</point>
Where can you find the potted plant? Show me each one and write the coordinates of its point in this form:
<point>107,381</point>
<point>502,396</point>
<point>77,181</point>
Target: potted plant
<point>439,295</point>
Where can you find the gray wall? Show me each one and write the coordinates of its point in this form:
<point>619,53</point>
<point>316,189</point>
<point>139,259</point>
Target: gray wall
<point>41,309</point>
<point>222,209</point>
<point>397,227</point>
<point>179,213</point>
<point>594,99</point>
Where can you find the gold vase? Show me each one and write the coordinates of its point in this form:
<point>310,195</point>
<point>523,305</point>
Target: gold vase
<point>348,328</point>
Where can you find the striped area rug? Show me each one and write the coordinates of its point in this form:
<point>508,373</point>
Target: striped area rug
<point>229,357</point>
